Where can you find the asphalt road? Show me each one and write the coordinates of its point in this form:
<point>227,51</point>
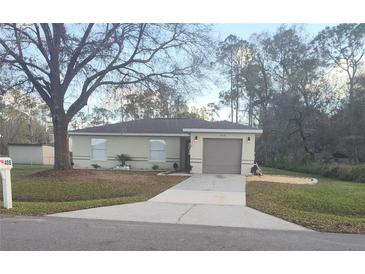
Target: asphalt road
<point>52,233</point>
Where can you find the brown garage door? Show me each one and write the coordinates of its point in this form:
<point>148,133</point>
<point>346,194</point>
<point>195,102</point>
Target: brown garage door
<point>222,156</point>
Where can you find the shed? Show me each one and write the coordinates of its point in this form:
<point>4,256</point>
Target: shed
<point>37,154</point>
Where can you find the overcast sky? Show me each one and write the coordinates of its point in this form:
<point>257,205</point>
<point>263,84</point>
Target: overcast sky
<point>221,31</point>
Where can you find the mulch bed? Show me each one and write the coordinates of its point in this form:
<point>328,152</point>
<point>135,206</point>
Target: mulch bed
<point>64,173</point>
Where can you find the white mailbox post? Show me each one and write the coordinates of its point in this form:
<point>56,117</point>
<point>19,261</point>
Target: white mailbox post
<point>6,164</point>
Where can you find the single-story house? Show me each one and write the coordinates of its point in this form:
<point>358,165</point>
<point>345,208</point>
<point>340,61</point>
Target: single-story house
<point>208,147</point>
<point>31,154</point>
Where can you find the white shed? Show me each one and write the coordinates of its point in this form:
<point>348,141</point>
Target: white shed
<point>38,154</point>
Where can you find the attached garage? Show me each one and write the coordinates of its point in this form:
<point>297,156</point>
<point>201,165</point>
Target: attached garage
<point>222,156</point>
<point>222,151</point>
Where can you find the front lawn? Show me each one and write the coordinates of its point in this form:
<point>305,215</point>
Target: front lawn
<point>331,205</point>
<point>38,190</point>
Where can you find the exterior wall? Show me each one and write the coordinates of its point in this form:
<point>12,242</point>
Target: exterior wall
<point>48,155</point>
<point>32,154</point>
<point>196,150</point>
<point>26,154</point>
<point>137,147</point>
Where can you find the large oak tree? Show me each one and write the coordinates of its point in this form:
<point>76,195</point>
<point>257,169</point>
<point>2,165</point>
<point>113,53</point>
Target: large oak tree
<point>67,63</point>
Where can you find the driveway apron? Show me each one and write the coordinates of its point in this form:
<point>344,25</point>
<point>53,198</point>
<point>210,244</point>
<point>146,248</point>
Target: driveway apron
<point>206,199</point>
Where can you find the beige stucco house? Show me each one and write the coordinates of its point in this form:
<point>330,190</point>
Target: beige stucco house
<point>209,147</point>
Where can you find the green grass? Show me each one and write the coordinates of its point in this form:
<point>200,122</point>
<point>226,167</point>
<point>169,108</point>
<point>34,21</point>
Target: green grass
<point>38,190</point>
<point>331,205</point>
<point>337,171</point>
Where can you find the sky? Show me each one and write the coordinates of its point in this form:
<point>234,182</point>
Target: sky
<point>245,30</point>
<point>210,90</point>
<point>221,31</point>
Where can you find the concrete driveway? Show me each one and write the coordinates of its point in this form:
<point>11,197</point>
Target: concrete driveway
<point>214,189</point>
<point>214,200</point>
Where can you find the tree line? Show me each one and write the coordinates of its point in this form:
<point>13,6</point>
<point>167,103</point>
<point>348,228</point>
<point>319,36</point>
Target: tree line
<point>138,102</point>
<point>306,93</point>
<point>24,118</point>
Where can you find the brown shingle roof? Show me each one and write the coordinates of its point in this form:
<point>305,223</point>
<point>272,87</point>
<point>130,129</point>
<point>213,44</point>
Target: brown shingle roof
<point>161,125</point>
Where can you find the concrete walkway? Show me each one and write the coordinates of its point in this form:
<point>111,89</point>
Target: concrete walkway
<point>214,200</point>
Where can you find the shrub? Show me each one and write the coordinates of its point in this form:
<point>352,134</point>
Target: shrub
<point>345,172</point>
<point>155,167</point>
<point>175,166</point>
<point>96,166</point>
<point>359,173</point>
<point>123,158</point>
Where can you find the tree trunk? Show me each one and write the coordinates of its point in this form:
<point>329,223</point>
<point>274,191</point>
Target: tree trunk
<point>353,118</point>
<point>237,109</point>
<point>62,159</point>
<point>231,94</point>
<point>237,98</point>
<point>250,111</point>
<point>304,139</point>
<point>232,107</point>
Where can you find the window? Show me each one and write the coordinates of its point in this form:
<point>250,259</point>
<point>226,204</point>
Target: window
<point>157,150</point>
<point>98,149</point>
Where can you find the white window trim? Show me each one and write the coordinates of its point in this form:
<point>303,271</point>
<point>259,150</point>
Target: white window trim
<point>149,143</point>
<point>106,151</point>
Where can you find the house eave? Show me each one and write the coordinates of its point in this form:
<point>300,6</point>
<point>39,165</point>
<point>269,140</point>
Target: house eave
<point>209,130</point>
<point>71,133</point>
